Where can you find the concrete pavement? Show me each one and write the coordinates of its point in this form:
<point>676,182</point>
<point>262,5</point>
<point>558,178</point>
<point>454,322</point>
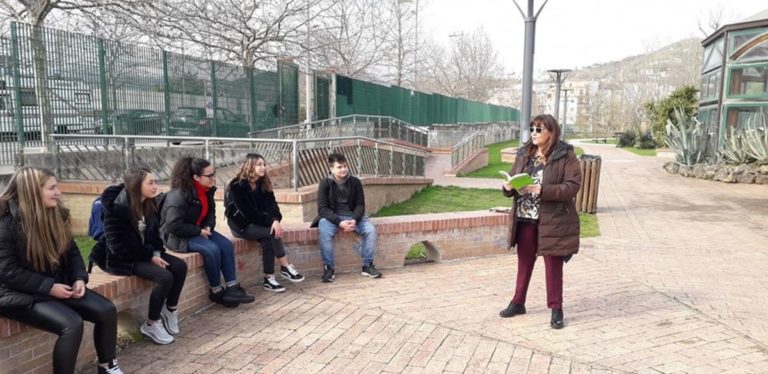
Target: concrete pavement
<point>676,283</point>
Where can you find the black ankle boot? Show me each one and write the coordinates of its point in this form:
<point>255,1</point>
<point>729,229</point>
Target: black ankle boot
<point>512,310</point>
<point>557,319</point>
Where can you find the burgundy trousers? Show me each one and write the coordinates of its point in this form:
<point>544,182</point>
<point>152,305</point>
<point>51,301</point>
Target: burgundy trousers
<point>527,238</point>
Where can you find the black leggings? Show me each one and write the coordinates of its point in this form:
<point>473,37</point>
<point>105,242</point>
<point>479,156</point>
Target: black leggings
<point>64,317</point>
<point>271,247</point>
<point>168,282</point>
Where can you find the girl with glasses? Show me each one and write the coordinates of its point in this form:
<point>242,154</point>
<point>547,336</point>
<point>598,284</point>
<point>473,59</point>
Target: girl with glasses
<point>42,274</point>
<point>544,222</point>
<point>187,222</point>
<point>252,213</point>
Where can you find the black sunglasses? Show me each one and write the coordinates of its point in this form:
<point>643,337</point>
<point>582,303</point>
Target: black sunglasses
<point>536,129</point>
<point>212,175</point>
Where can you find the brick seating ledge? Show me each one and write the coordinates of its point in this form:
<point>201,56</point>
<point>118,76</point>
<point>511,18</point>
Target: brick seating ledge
<point>447,236</point>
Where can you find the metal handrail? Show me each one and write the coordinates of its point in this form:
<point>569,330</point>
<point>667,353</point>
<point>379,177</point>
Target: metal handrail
<point>337,119</point>
<point>461,150</point>
<point>296,145</point>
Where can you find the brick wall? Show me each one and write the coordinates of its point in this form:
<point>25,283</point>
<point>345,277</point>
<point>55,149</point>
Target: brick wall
<point>296,206</point>
<point>449,236</point>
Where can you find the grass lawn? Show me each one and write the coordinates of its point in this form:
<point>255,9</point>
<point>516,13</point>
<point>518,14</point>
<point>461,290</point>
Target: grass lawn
<point>494,161</point>
<point>641,152</point>
<point>85,243</point>
<point>441,199</point>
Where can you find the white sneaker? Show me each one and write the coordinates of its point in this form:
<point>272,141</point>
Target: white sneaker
<point>156,332</point>
<point>270,284</point>
<point>170,320</point>
<point>289,272</point>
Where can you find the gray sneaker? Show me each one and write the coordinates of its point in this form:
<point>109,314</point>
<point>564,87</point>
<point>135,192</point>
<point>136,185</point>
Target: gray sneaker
<point>170,320</point>
<point>156,332</point>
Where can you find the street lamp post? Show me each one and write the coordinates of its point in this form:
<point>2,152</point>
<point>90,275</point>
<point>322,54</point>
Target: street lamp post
<point>565,111</point>
<point>530,36</point>
<point>559,76</point>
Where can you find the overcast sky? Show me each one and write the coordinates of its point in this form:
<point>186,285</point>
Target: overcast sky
<point>577,33</point>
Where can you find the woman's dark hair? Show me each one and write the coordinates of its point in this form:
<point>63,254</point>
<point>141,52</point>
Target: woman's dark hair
<point>133,179</point>
<point>184,169</point>
<point>246,171</point>
<point>550,123</point>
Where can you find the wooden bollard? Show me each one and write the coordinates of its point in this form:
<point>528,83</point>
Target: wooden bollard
<point>586,198</point>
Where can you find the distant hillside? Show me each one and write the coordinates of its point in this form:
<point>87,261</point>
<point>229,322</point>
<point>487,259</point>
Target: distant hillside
<point>677,63</point>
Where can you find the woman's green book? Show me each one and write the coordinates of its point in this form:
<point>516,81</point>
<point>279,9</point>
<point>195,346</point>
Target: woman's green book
<point>517,181</point>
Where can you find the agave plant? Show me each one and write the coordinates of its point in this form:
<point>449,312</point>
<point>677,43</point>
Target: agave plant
<point>688,137</point>
<point>734,150</point>
<point>755,138</point>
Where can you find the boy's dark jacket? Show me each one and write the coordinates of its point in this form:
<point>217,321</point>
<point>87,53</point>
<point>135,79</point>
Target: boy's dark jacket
<point>327,198</point>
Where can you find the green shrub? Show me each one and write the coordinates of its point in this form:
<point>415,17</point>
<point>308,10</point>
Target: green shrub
<point>627,139</point>
<point>646,141</point>
<point>688,137</point>
<point>684,98</point>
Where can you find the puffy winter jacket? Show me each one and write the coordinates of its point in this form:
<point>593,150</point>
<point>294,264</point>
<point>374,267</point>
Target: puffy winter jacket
<point>179,214</point>
<point>122,245</point>
<point>20,284</point>
<point>244,206</point>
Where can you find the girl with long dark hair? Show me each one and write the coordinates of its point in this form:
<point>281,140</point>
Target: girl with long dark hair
<point>131,245</point>
<point>187,222</point>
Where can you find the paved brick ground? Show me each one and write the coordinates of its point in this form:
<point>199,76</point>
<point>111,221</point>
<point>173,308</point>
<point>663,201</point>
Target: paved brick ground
<point>676,283</point>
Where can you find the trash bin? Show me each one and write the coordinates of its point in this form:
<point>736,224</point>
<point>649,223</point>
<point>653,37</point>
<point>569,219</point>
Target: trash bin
<point>586,198</point>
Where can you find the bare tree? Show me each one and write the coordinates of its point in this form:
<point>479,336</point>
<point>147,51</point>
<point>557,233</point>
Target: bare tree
<point>348,39</point>
<point>39,12</point>
<point>470,69</point>
<point>713,22</point>
<point>398,64</point>
<point>242,31</point>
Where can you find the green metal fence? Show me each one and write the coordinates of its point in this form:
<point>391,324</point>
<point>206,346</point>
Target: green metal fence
<point>359,97</point>
<point>56,82</point>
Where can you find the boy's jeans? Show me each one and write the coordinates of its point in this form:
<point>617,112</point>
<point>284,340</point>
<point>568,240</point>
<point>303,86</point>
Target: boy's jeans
<point>364,228</point>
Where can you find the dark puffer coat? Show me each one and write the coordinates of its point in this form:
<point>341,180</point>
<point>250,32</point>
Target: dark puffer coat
<point>121,246</point>
<point>179,214</point>
<point>20,284</point>
<point>244,206</point>
<point>558,219</point>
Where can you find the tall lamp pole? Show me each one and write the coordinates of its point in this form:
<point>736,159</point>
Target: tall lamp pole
<point>530,36</point>
<point>565,111</point>
<point>559,76</point>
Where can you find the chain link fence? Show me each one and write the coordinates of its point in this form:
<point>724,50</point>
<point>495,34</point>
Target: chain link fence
<point>56,82</point>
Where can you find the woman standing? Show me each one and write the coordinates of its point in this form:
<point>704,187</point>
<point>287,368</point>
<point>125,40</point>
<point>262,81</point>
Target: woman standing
<point>132,244</point>
<point>545,222</point>
<point>252,213</point>
<point>42,275</point>
<point>187,223</point>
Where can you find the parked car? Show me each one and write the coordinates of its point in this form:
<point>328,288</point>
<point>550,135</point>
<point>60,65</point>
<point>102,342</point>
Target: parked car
<point>192,121</point>
<point>135,122</point>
